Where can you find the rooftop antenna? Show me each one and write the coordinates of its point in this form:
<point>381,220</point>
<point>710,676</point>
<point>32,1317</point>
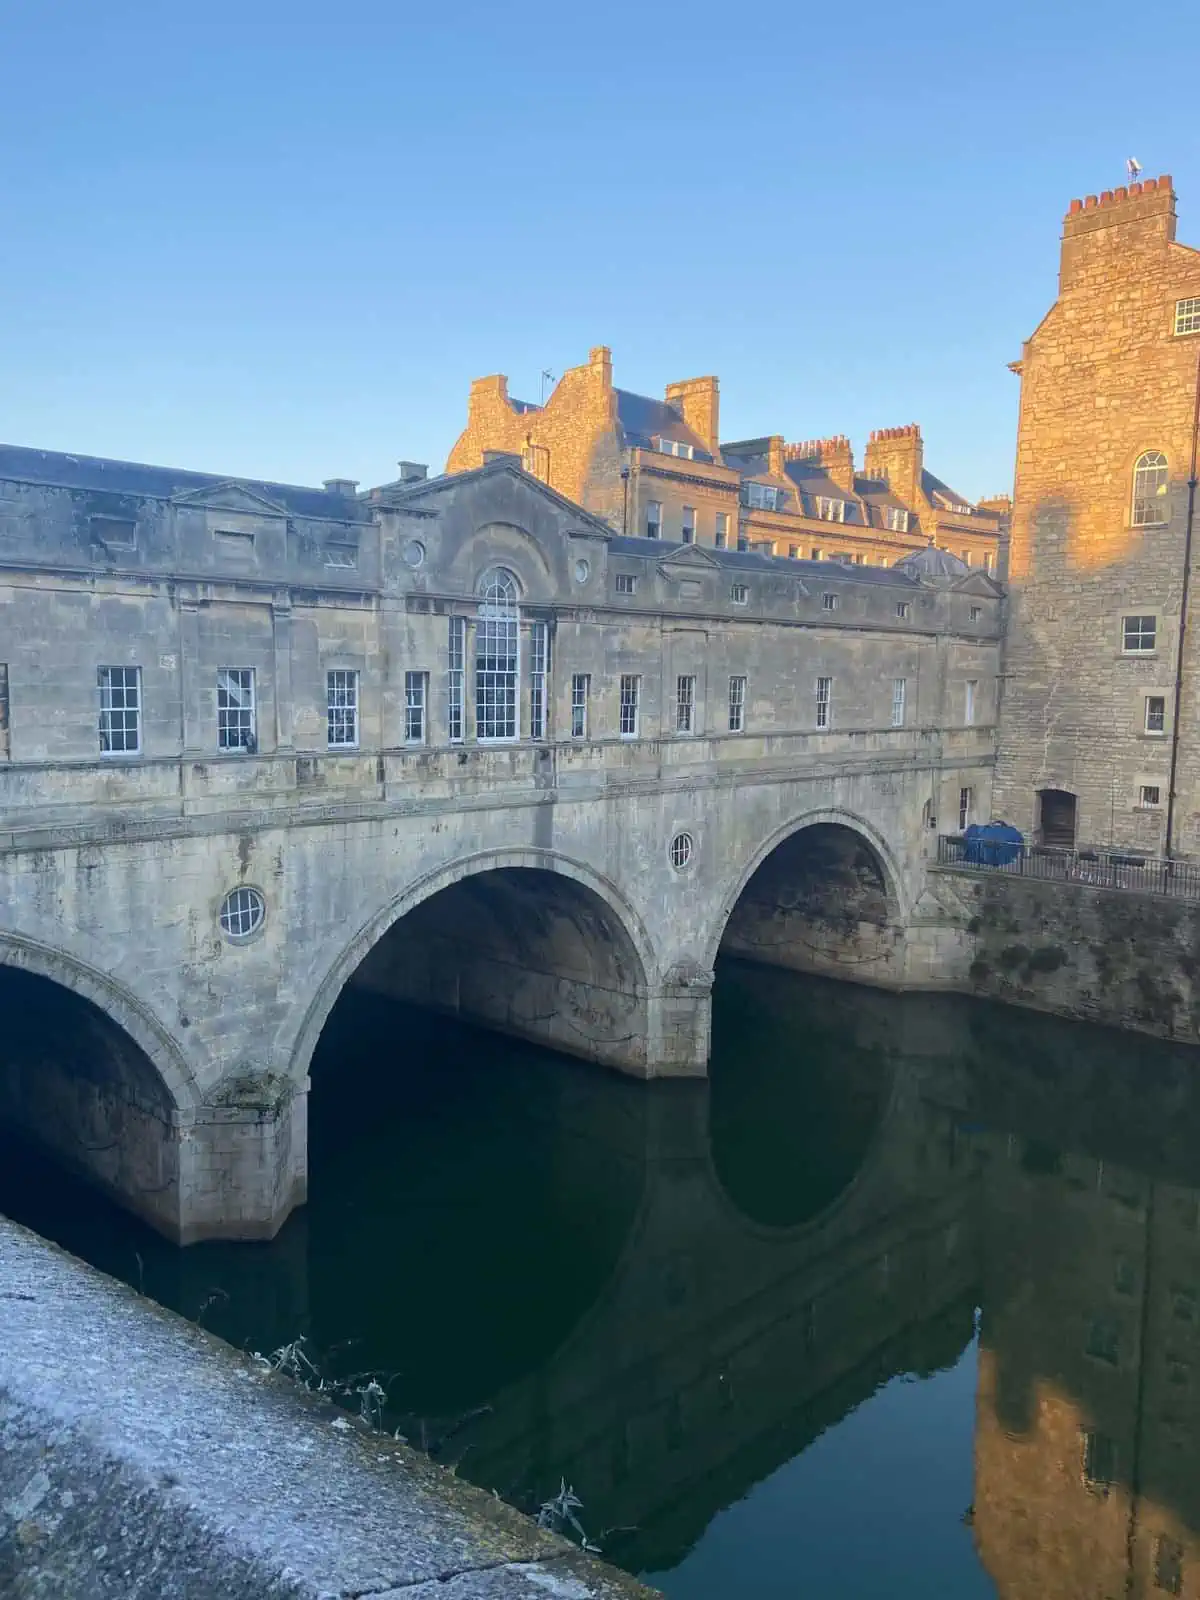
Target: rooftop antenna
<point>1133,168</point>
<point>548,376</point>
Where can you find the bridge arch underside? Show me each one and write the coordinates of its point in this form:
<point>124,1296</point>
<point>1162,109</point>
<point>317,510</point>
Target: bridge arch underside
<point>525,951</point>
<point>823,901</point>
<point>76,1085</point>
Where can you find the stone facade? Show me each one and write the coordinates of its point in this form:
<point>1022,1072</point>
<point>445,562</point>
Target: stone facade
<point>658,467</point>
<point>1105,452</point>
<point>251,728</point>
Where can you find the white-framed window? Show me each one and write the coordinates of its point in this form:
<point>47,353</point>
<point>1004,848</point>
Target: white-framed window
<point>416,698</point>
<point>120,711</point>
<point>630,705</point>
<point>626,583</point>
<point>581,690</point>
<point>903,609</point>
<point>1149,796</point>
<point>824,701</point>
<point>682,849</point>
<point>1139,635</point>
<point>1155,717</point>
<point>829,602</point>
<point>794,552</point>
<point>966,558</point>
<point>815,554</point>
<point>743,542</point>
<point>676,447</point>
<point>975,613</point>
<point>966,802</point>
<point>535,460</point>
<point>539,668</point>
<point>654,519</point>
<point>763,497</point>
<point>737,704</point>
<point>496,659</point>
<point>237,726</point>
<point>899,701</point>
<point>689,524</point>
<point>986,561</point>
<point>971,694</point>
<point>456,674</point>
<point>341,709</point>
<point>1187,315</point>
<point>895,518</point>
<point>1150,484</point>
<point>685,704</point>
<point>860,560</point>
<point>721,538</point>
<point>830,510</point>
<point>739,594</point>
<point>242,913</point>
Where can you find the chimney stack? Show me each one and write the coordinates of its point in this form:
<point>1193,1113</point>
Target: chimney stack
<point>898,454</point>
<point>698,402</point>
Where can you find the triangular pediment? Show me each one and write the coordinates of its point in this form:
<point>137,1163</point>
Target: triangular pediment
<point>979,583</point>
<point>687,558</point>
<point>234,497</point>
<point>418,495</point>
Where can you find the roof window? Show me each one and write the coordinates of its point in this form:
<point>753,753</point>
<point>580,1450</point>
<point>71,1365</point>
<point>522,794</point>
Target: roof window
<point>676,447</point>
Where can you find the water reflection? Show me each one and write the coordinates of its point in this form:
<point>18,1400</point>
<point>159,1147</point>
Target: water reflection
<point>742,1320</point>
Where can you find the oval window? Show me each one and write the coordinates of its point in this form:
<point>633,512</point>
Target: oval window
<point>682,849</point>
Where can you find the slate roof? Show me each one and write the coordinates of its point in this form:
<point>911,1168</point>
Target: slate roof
<point>935,489</point>
<point>933,563</point>
<point>754,561</point>
<point>64,471</point>
<point>643,420</point>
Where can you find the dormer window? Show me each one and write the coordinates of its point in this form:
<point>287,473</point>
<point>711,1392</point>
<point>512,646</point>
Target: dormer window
<point>676,447</point>
<point>764,497</point>
<point>1187,315</point>
<point>830,510</point>
<point>895,518</point>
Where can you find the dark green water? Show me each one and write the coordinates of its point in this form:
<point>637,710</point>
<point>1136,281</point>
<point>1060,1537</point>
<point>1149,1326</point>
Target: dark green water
<point>904,1302</point>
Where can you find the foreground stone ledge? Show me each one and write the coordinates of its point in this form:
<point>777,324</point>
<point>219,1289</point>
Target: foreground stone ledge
<point>144,1459</point>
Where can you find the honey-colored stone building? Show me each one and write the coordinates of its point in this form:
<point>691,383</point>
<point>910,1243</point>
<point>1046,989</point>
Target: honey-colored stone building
<point>1102,697</point>
<point>658,469</point>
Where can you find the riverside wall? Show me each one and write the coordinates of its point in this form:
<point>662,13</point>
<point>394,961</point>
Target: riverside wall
<point>144,1459</point>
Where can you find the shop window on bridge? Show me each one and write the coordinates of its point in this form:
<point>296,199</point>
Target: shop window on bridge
<point>496,658</point>
<point>1056,818</point>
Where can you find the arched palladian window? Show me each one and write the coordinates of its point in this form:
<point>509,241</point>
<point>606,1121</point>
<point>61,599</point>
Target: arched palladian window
<point>1150,489</point>
<point>497,672</point>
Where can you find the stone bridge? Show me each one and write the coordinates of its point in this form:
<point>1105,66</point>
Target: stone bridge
<point>555,843</point>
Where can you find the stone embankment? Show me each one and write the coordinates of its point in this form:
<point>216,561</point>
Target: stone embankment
<point>144,1459</point>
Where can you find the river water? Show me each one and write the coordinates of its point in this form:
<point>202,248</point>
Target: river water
<point>904,1301</point>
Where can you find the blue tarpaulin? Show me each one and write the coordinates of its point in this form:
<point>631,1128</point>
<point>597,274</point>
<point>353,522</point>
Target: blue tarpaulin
<point>992,844</point>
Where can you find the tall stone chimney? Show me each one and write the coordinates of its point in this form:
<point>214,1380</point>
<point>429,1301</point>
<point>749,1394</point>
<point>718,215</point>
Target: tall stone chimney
<point>832,455</point>
<point>698,401</point>
<point>1132,220</point>
<point>898,454</point>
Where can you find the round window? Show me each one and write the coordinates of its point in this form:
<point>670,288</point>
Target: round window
<point>242,912</point>
<point>682,849</point>
<point>582,571</point>
<point>414,552</point>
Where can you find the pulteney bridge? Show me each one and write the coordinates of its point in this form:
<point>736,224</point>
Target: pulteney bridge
<point>452,740</point>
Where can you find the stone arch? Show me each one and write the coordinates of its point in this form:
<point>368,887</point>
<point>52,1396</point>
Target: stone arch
<point>117,1002</point>
<point>625,920</point>
<point>899,906</point>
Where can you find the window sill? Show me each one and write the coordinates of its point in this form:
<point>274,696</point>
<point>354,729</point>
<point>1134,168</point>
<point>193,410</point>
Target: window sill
<point>1137,655</point>
<point>1150,733</point>
<point>1143,527</point>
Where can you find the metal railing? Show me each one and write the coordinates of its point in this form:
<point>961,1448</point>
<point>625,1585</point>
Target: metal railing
<point>1100,869</point>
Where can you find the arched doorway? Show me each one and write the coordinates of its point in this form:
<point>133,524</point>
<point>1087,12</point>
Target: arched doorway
<point>821,900</point>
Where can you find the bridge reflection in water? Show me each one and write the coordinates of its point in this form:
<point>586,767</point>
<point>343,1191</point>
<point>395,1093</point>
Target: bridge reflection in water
<point>667,1293</point>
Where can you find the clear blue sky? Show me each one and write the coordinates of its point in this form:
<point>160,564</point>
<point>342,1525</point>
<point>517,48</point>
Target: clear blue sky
<point>280,239</point>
